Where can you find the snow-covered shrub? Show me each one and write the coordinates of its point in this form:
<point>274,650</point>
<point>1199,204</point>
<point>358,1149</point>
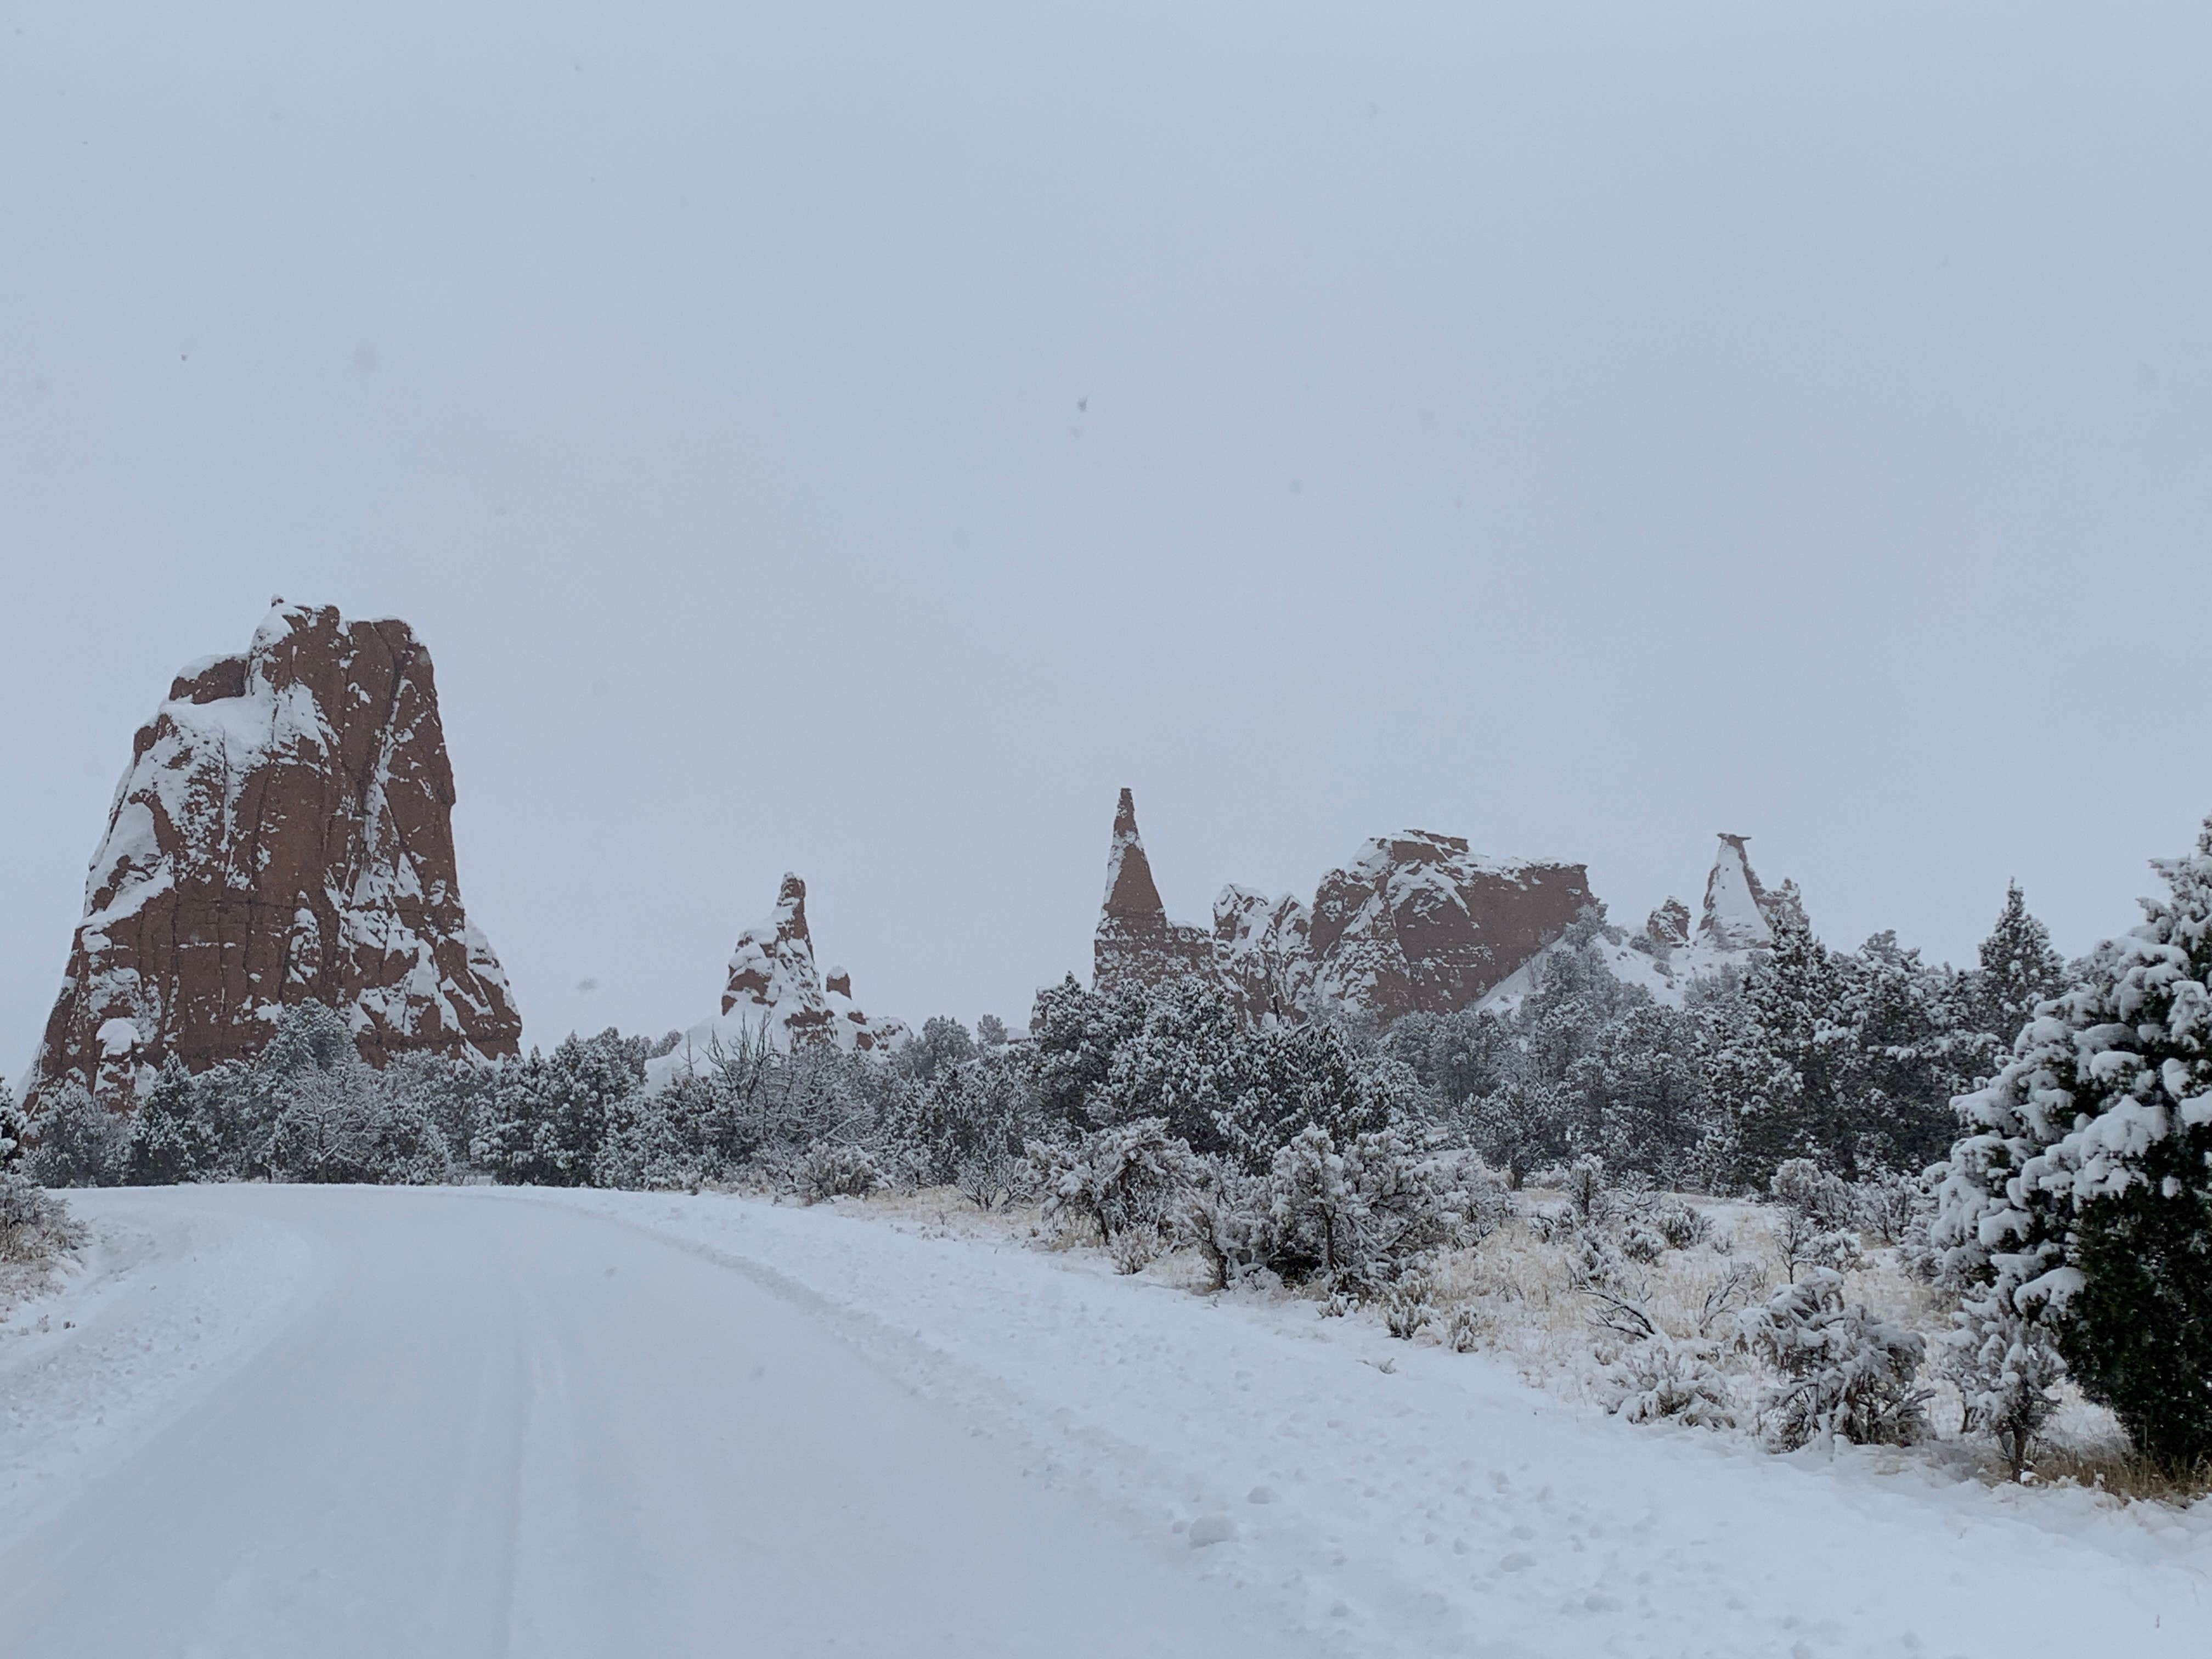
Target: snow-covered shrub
<point>1223,1214</point>
<point>34,1224</point>
<point>1550,1222</point>
<point>1588,1196</point>
<point>1838,1370</point>
<point>1128,1174</point>
<point>549,1115</point>
<point>77,1141</point>
<point>1679,1225</point>
<point>1894,1207</point>
<point>990,1179</point>
<point>2007,1367</point>
<point>1134,1248</point>
<point>825,1170</point>
<point>343,1124</point>
<point>1825,1199</point>
<point>1463,1332</point>
<point>1407,1308</point>
<point>1351,1217</point>
<point>1641,1242</point>
<point>1594,1259</point>
<point>1804,1243</point>
<point>1660,1379</point>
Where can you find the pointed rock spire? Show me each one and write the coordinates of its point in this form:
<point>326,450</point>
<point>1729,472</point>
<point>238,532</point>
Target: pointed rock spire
<point>1130,889</point>
<point>1136,943</point>
<point>1736,911</point>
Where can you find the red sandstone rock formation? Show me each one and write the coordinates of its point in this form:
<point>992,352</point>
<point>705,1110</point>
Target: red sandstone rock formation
<point>1418,922</point>
<point>1136,943</point>
<point>284,833</point>
<point>773,991</point>
<point>1415,923</point>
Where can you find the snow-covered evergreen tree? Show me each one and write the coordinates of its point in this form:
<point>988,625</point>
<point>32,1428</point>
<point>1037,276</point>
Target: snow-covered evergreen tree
<point>2019,969</point>
<point>2085,1195</point>
<point>550,1115</point>
<point>77,1141</point>
<point>175,1134</point>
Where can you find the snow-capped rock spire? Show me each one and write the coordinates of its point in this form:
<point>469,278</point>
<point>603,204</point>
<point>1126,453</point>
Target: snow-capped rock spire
<point>1736,911</point>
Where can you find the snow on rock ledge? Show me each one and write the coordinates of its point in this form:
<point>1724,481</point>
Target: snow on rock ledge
<point>283,833</point>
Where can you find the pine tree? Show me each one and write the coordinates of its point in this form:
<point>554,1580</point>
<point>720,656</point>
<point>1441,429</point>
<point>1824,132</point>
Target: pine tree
<point>2019,969</point>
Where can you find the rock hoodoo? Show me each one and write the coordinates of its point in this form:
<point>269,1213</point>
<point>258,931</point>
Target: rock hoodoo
<point>1136,943</point>
<point>773,990</point>
<point>1415,922</point>
<point>283,833</point>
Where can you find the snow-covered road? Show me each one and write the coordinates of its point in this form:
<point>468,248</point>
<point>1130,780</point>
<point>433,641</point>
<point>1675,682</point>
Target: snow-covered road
<point>467,1424</point>
<point>322,1421</point>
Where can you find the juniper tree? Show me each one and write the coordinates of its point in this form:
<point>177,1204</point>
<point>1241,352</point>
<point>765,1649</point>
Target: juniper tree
<point>2018,969</point>
<point>2084,1198</point>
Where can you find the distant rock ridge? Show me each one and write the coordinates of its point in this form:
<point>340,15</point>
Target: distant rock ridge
<point>773,991</point>
<point>283,833</point>
<point>1416,921</point>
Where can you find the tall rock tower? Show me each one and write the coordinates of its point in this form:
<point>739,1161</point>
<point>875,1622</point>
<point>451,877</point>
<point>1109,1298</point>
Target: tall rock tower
<point>1136,945</point>
<point>284,833</point>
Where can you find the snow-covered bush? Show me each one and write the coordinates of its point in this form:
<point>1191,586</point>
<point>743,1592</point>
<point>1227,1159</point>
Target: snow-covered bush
<point>549,1115</point>
<point>992,1178</point>
<point>1661,1379</point>
<point>1361,1214</point>
<point>77,1141</point>
<point>1825,1199</point>
<point>1407,1307</point>
<point>1838,1370</point>
<point>1894,1207</point>
<point>1128,1174</point>
<point>1678,1225</point>
<point>347,1124</point>
<point>34,1224</point>
<point>1135,1248</point>
<point>1588,1196</point>
<point>2007,1367</point>
<point>1463,1331</point>
<point>826,1170</point>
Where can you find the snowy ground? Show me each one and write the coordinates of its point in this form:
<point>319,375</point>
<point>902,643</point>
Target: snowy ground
<point>320,1421</point>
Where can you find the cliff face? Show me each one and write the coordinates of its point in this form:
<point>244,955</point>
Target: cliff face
<point>1415,922</point>
<point>283,833</point>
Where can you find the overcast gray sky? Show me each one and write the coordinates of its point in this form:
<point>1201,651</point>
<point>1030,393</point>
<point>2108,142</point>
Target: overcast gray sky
<point>859,440</point>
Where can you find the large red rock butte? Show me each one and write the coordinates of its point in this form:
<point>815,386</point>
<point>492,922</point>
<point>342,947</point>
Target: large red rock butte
<point>284,833</point>
<point>1415,923</point>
